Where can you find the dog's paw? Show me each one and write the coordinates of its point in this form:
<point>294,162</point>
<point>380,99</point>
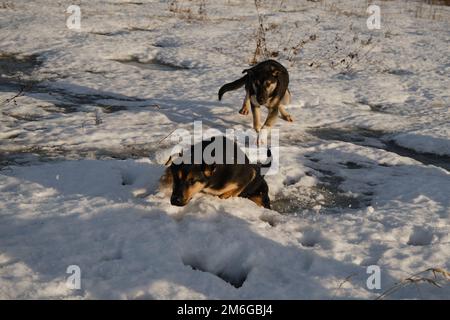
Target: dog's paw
<point>287,118</point>
<point>244,111</point>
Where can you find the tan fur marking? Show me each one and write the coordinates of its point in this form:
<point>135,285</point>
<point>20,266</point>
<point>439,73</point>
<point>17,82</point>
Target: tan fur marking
<point>208,171</point>
<point>271,117</point>
<point>284,114</point>
<point>246,104</point>
<point>256,112</point>
<point>233,189</point>
<point>228,189</point>
<point>271,87</point>
<point>231,193</point>
<point>258,200</point>
<point>192,190</point>
<point>254,101</point>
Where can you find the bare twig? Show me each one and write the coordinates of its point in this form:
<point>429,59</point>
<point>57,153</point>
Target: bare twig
<point>261,46</point>
<point>21,91</point>
<point>170,133</point>
<point>295,50</point>
<point>186,12</point>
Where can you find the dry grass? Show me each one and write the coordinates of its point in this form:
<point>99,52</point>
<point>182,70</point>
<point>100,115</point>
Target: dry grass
<point>265,50</point>
<point>13,98</point>
<point>294,51</point>
<point>24,87</point>
<point>190,10</point>
<point>425,9</point>
<point>430,10</point>
<point>7,5</point>
<point>343,282</point>
<point>261,51</point>
<point>415,279</point>
<point>431,276</point>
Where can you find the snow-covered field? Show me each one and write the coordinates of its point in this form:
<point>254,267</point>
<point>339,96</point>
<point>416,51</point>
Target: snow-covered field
<point>364,173</point>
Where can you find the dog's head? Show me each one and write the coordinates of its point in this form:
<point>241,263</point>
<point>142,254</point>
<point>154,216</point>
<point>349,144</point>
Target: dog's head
<point>188,180</point>
<point>268,80</point>
<point>190,175</point>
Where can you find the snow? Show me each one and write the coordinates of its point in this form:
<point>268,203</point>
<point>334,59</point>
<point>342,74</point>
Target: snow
<point>364,169</point>
<point>433,140</point>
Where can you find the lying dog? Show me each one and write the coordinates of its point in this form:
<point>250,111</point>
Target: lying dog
<point>265,84</point>
<point>239,178</point>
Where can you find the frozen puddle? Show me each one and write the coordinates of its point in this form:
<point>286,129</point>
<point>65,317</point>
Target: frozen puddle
<point>377,139</point>
<point>326,197</point>
<point>11,65</point>
<point>426,158</point>
<point>107,100</point>
<point>15,72</point>
<point>41,154</point>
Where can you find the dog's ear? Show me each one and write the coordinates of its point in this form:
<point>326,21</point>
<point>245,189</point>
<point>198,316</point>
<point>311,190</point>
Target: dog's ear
<point>208,169</point>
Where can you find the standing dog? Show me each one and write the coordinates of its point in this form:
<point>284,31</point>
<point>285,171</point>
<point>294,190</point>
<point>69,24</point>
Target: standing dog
<point>265,84</point>
<point>224,178</point>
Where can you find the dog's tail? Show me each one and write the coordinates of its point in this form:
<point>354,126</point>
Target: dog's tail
<point>232,86</point>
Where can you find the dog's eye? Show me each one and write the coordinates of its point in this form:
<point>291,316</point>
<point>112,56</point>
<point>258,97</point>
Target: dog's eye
<point>191,182</point>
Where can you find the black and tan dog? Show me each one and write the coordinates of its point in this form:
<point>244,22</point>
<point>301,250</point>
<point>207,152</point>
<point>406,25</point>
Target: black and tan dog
<point>265,84</point>
<point>236,177</point>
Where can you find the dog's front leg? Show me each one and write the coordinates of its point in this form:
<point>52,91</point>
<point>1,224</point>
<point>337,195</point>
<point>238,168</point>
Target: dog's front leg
<point>246,104</point>
<point>256,112</point>
<point>283,103</point>
<point>271,118</point>
<point>265,130</point>
<point>284,114</point>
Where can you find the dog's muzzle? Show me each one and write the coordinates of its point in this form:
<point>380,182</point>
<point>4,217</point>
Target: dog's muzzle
<point>177,201</point>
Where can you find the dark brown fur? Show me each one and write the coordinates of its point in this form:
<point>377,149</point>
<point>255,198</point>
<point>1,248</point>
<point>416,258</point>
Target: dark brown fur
<point>221,179</point>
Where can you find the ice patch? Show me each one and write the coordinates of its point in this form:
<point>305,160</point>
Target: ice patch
<point>434,140</point>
